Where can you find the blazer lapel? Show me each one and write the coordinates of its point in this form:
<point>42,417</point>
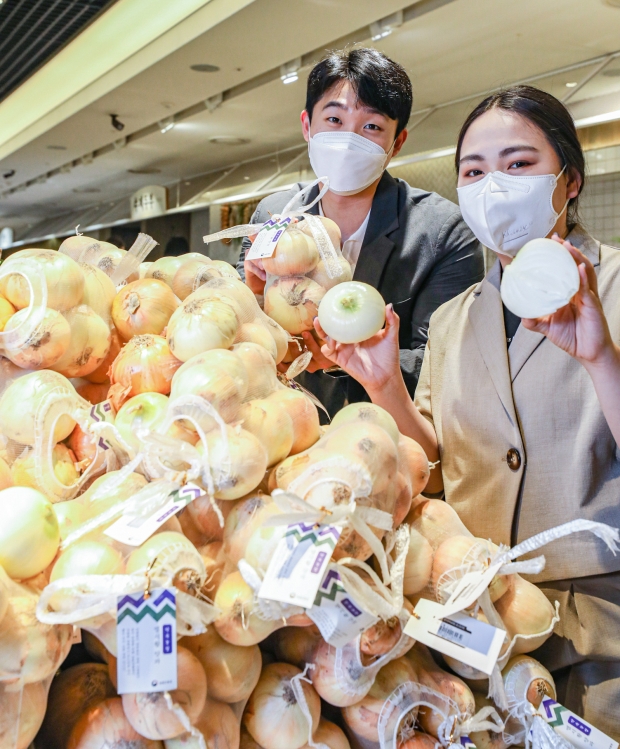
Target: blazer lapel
<point>383,220</point>
<point>486,318</point>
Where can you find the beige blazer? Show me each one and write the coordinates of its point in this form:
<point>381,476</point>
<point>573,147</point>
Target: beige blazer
<point>523,442</point>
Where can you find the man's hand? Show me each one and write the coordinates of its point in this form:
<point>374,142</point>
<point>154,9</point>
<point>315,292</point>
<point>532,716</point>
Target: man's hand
<point>255,275</point>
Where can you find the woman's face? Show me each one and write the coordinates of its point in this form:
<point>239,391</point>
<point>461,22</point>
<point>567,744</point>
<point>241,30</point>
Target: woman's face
<point>500,141</point>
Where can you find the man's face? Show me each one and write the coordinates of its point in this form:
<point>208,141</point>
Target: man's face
<point>339,110</point>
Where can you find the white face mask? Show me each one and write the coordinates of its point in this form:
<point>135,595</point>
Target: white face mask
<point>351,161</point>
<point>505,211</point>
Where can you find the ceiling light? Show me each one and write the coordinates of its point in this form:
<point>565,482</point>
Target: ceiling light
<point>204,68</point>
<point>84,190</point>
<point>213,102</point>
<point>145,170</point>
<point>384,26</point>
<point>116,123</point>
<point>57,148</point>
<point>166,125</point>
<point>228,140</point>
<point>87,159</point>
<point>598,119</point>
<point>289,71</point>
<point>246,178</point>
<point>571,84</point>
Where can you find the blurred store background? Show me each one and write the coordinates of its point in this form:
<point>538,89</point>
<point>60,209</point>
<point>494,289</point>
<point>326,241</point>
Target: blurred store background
<point>176,118</point>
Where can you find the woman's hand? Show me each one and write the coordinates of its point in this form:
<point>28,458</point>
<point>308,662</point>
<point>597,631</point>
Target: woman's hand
<point>255,275</point>
<point>579,328</point>
<point>373,363</point>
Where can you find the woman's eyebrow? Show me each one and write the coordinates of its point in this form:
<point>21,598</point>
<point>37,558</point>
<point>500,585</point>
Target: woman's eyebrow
<point>503,153</point>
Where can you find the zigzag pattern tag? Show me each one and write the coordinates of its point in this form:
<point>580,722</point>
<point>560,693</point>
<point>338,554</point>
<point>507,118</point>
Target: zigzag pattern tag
<point>147,642</point>
<point>571,727</point>
<point>265,243</point>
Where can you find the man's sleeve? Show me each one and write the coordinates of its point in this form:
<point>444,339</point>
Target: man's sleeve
<point>246,244</point>
<point>459,265</point>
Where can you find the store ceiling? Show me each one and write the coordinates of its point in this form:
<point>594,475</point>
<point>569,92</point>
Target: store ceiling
<point>458,49</point>
<point>34,30</point>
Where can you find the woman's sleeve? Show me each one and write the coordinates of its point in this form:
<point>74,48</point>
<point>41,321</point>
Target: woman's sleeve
<point>422,398</point>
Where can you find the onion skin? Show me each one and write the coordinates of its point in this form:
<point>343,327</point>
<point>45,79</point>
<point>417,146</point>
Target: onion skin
<point>261,366</point>
<point>218,725</point>
<point>24,469</point>
<point>92,392</point>
<point>142,307</point>
<point>72,693</point>
<point>321,276</point>
<point>245,517</point>
<point>381,637</point>
<point>101,375</point>
<point>418,564</point>
<point>296,645</point>
<point>105,726</point>
<point>296,254</point>
<point>236,623</point>
<point>304,415</point>
<point>99,291</point>
<point>6,311</point>
<point>206,519</point>
<point>331,227</point>
<point>329,734</point>
<point>44,346</point>
<point>193,273</point>
<point>200,325</point>
<point>232,671</point>
<point>88,558</point>
<point>90,343</point>
<point>273,717</point>
<point>293,302</point>
<point>144,365</point>
<point>147,711</point>
<point>436,520</point>
<point>412,460</point>
<point>270,423</point>
<point>29,706</point>
<point>164,269</point>
<point>525,610</point>
<point>64,279</point>
<point>256,332</point>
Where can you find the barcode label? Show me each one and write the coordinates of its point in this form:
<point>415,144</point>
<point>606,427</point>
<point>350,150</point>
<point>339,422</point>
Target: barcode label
<point>455,632</point>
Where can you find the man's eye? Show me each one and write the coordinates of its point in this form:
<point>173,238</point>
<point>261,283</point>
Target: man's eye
<point>335,120</point>
<point>372,126</point>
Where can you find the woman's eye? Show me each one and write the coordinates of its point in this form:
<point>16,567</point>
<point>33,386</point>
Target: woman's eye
<point>473,173</point>
<point>519,164</point>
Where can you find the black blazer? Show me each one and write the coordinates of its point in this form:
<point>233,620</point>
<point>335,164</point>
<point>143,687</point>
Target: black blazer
<point>417,251</point>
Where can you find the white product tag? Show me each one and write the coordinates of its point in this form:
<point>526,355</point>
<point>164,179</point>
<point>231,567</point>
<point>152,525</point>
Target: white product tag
<point>146,632</point>
<point>76,636</point>
<point>265,243</point>
<point>469,588</point>
<point>134,531</point>
<point>460,636</point>
<point>338,616</point>
<point>298,564</point>
<point>571,727</point>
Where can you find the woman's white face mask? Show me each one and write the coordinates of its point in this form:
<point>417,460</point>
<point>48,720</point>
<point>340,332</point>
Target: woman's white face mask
<point>350,161</point>
<point>505,211</point>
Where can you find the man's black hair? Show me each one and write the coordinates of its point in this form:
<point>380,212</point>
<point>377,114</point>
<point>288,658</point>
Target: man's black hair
<point>380,83</point>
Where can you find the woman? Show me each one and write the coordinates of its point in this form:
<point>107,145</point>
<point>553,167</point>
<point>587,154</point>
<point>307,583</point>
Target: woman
<point>525,414</point>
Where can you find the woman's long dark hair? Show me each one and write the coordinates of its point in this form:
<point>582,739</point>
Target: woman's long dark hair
<point>549,115</point>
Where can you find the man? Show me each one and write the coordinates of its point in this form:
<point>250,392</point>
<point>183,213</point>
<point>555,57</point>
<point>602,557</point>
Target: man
<point>411,245</point>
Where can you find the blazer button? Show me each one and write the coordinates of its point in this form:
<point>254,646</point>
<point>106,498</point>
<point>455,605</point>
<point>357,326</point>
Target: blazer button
<point>513,458</point>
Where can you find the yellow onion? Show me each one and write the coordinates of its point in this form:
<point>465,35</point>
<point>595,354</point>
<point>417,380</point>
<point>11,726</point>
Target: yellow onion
<point>91,391</point>
<point>381,637</point>
<point>70,516</point>
<point>270,423</point>
<point>436,520</point>
<point>256,332</point>
<point>232,671</point>
<point>218,376</point>
<point>24,469</point>
<point>304,415</point>
<point>260,364</point>
<point>234,290</point>
<point>44,346</point>
<point>90,343</point>
<point>237,623</point>
<point>187,278</point>
<point>528,680</point>
<point>144,365</point>
<point>238,462</point>
<point>101,375</point>
<point>99,291</point>
<point>226,269</point>
<point>83,445</point>
<point>6,311</point>
<point>362,717</point>
<point>30,650</point>
<point>144,306</point>
<point>105,726</point>
<point>29,534</point>
<point>329,734</point>
<point>5,475</point>
<point>525,610</point>
<point>273,716</point>
<point>295,645</point>
<point>205,518</point>
<point>453,553</point>
<point>404,499</point>
<point>63,276</point>
<point>295,255</point>
<point>412,460</point>
<point>143,269</point>
<point>162,550</point>
<point>148,712</point>
<point>331,227</point>
<point>214,562</point>
<point>164,269</point>
<point>262,545</point>
<point>280,336</point>
<point>88,558</point>
<point>492,739</point>
<point>75,245</point>
<point>293,302</point>
<point>73,692</point>
<point>419,741</point>
<point>109,258</point>
<point>21,714</point>
<point>144,411</point>
<point>201,325</point>
<point>418,564</point>
<point>218,725</point>
<point>247,516</point>
<point>367,413</point>
<point>321,276</point>
<point>327,680</point>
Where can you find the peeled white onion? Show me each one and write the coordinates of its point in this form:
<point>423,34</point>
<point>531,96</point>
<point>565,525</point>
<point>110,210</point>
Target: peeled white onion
<point>542,278</point>
<point>352,312</point>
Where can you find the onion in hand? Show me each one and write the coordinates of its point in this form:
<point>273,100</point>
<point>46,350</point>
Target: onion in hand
<point>352,312</point>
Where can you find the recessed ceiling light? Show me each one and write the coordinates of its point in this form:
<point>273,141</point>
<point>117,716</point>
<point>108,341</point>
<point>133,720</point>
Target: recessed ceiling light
<point>228,140</point>
<point>246,178</point>
<point>86,189</point>
<point>145,170</point>
<point>204,68</point>
<point>57,148</point>
<point>571,84</point>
